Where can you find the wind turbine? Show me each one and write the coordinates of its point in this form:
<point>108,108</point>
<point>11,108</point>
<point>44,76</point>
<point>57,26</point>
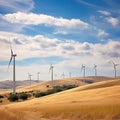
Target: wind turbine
<point>83,68</point>
<point>115,69</point>
<point>70,74</point>
<point>29,76</point>
<point>38,73</point>
<point>95,68</point>
<point>51,69</point>
<point>14,79</point>
<point>63,75</point>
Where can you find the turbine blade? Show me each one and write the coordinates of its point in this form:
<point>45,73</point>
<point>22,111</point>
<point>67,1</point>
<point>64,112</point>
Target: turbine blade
<point>50,69</point>
<point>10,58</point>
<point>113,62</point>
<point>10,61</point>
<point>11,47</point>
<point>11,52</point>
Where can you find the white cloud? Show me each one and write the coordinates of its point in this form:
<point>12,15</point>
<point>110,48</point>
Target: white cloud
<point>17,5</point>
<point>74,53</point>
<point>41,46</point>
<point>113,21</point>
<point>36,19</point>
<point>104,12</point>
<point>102,33</point>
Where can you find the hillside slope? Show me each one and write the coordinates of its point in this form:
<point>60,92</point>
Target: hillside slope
<point>67,81</point>
<point>89,102</point>
<point>23,86</point>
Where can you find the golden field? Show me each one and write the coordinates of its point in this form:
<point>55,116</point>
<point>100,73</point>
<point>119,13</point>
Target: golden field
<point>96,101</point>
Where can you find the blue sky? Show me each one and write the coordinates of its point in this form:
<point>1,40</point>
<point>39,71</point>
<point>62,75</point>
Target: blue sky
<point>65,33</point>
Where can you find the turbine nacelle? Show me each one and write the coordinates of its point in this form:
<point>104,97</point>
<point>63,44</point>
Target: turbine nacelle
<point>14,55</point>
<point>95,66</point>
<point>115,65</point>
<point>51,67</point>
<point>83,67</point>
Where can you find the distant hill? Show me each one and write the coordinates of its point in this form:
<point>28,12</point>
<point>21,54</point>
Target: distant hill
<point>8,84</point>
<point>79,81</point>
<point>22,86</point>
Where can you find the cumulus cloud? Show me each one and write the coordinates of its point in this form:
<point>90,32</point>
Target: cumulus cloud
<point>37,19</point>
<point>73,53</point>
<point>41,46</point>
<point>108,50</point>
<point>104,12</point>
<point>113,21</point>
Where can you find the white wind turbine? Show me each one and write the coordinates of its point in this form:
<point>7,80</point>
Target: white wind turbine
<point>115,67</point>
<point>95,68</point>
<point>63,75</point>
<point>38,73</point>
<point>70,74</point>
<point>29,76</point>
<point>14,71</point>
<point>83,69</point>
<point>51,69</point>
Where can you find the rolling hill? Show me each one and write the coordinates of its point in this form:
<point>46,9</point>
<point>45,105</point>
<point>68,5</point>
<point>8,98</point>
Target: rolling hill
<point>96,101</point>
<point>23,86</point>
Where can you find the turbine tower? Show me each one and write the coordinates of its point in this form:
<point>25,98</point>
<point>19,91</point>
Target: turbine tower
<point>14,72</point>
<point>70,74</point>
<point>83,68</point>
<point>95,68</point>
<point>115,67</point>
<point>51,69</point>
<point>63,75</point>
<point>38,73</point>
<point>29,76</point>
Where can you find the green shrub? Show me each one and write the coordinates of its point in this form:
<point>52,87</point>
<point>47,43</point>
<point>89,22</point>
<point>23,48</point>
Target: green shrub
<point>65,87</point>
<point>1,101</point>
<point>48,92</point>
<point>23,96</point>
<point>1,96</point>
<point>40,94</point>
<point>54,90</point>
<point>13,97</point>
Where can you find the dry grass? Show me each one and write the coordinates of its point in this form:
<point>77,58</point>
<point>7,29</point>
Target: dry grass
<point>85,112</point>
<point>67,112</point>
<point>9,114</point>
<point>98,101</point>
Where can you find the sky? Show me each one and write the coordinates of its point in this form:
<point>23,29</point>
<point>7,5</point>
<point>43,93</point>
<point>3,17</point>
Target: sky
<point>64,33</point>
